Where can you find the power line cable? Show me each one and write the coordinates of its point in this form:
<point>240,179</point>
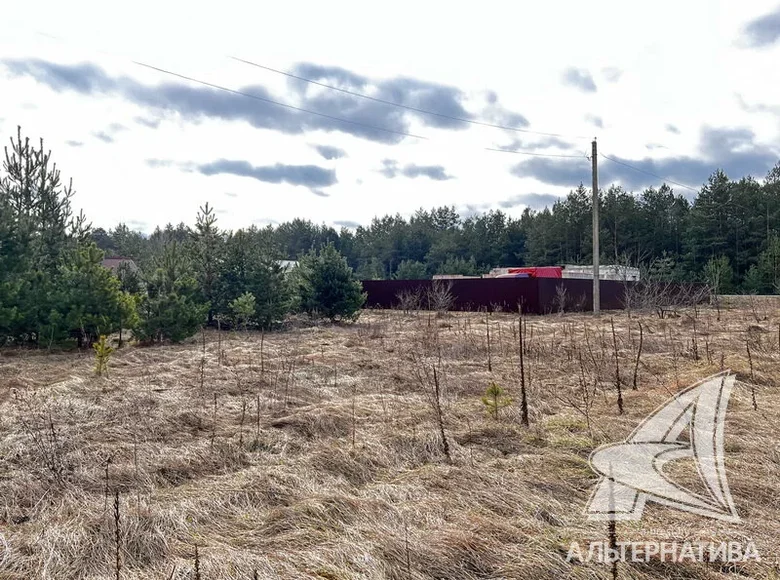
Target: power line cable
<point>332,117</point>
<point>647,172</point>
<point>365,125</point>
<point>519,152</point>
<point>280,104</point>
<point>401,105</point>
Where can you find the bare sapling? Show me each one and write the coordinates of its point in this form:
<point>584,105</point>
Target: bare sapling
<point>241,426</point>
<point>440,416</point>
<point>560,299</point>
<point>638,356</point>
<point>582,401</point>
<point>197,564</point>
<point>613,543</point>
<point>612,533</point>
<point>752,375</point>
<point>617,368</point>
<point>523,393</point>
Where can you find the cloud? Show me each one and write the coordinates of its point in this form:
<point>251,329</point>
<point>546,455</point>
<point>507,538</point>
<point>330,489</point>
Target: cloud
<point>320,193</point>
<point>580,79</point>
<point>672,129</point>
<point>763,31</point>
<point>498,115</point>
<point>151,123</point>
<point>103,136</point>
<point>532,200</point>
<point>595,120</point>
<point>158,163</point>
<point>564,172</point>
<point>307,175</point>
<point>195,102</point>
<point>83,78</point>
<point>435,172</point>
<point>71,143</point>
<point>733,150</point>
<point>346,224</point>
<point>757,107</point>
<point>415,93</point>
<point>538,143</point>
<point>612,73</point>
<point>107,136</point>
<point>391,169</point>
<point>230,194</point>
<point>329,152</point>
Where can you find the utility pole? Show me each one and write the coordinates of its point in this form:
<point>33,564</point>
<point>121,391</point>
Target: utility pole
<point>596,287</point>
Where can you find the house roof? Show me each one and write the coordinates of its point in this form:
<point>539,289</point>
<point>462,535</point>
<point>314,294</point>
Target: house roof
<point>113,263</point>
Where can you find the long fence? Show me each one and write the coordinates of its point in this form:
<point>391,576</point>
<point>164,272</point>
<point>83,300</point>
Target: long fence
<point>533,295</point>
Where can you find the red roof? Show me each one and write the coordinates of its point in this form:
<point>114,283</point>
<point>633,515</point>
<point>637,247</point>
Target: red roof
<point>539,271</point>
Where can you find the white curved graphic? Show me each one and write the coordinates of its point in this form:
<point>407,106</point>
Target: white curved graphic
<point>633,472</point>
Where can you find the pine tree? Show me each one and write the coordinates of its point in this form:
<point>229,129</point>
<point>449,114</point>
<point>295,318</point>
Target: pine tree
<point>495,399</point>
<point>89,296</point>
<point>327,286</point>
<point>103,352</point>
<point>172,309</point>
<point>249,266</point>
<point>243,309</point>
<point>207,245</point>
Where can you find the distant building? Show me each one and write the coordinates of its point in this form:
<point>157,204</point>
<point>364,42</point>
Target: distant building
<point>114,262</point>
<point>287,265</point>
<point>610,272</point>
<point>581,272</point>
<point>452,276</point>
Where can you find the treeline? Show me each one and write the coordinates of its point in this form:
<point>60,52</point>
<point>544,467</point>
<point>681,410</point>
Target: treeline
<point>54,287</point>
<point>732,227</point>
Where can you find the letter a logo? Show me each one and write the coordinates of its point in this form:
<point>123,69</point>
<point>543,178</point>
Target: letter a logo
<point>633,472</point>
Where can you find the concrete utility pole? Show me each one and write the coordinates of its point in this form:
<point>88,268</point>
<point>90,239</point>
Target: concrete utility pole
<point>596,288</point>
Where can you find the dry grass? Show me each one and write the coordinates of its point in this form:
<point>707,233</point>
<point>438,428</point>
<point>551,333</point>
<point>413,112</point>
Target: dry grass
<point>258,468</point>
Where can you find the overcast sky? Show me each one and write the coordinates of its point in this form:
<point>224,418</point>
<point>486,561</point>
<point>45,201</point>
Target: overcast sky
<point>674,88</point>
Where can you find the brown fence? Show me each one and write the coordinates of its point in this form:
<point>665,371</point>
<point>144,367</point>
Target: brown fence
<point>536,295</point>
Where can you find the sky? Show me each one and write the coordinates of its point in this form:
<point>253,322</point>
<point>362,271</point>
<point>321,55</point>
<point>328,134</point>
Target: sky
<point>672,89</point>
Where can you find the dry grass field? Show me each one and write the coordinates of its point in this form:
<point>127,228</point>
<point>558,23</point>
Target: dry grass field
<point>317,451</point>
